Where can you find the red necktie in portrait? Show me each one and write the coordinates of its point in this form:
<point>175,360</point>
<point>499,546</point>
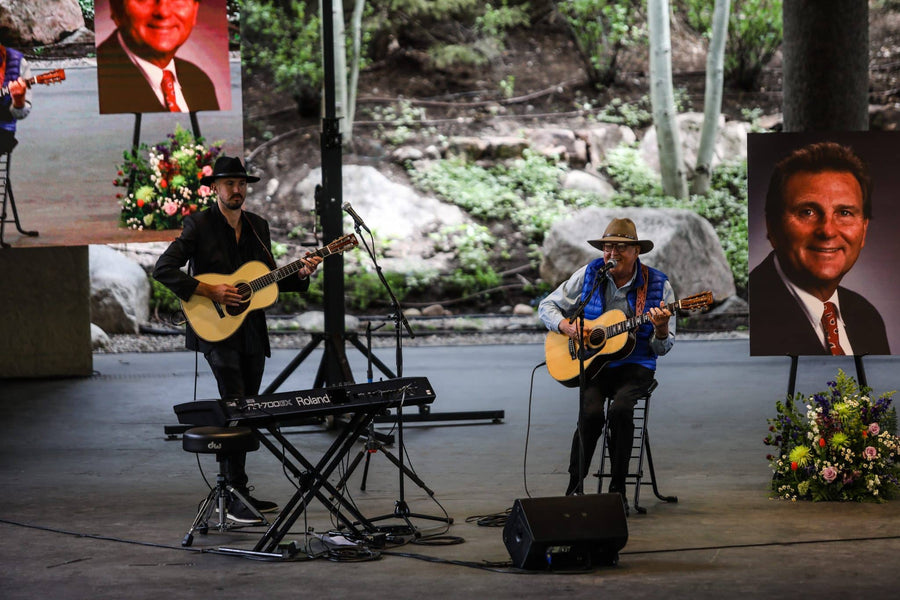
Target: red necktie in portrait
<point>829,324</point>
<point>168,90</point>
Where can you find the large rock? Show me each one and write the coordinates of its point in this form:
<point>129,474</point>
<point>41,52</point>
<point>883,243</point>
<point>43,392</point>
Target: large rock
<point>39,22</point>
<point>120,291</point>
<point>686,247</point>
<point>394,211</point>
<point>603,137</point>
<point>730,147</point>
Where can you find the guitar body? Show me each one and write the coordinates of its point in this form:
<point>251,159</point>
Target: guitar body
<point>214,322</point>
<point>562,353</point>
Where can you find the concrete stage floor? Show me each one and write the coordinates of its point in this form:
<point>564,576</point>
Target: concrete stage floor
<point>96,500</point>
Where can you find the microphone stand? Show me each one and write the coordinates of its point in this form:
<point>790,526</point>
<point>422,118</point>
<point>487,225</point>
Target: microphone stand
<point>401,509</point>
<point>582,381</point>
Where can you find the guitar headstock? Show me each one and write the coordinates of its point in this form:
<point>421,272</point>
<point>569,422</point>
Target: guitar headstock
<point>343,243</point>
<point>54,76</point>
<point>696,302</point>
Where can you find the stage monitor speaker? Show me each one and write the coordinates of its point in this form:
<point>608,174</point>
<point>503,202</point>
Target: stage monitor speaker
<point>566,532</point>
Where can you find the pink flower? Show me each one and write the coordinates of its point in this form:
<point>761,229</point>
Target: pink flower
<point>829,474</point>
<point>204,190</point>
<point>871,453</point>
<point>206,171</point>
<point>170,208</point>
<point>874,429</point>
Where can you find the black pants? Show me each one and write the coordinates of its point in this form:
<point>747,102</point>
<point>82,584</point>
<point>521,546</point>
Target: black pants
<point>237,375</point>
<point>625,385</point>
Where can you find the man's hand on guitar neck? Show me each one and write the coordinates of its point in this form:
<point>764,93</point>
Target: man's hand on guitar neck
<point>660,319</point>
<point>312,262</point>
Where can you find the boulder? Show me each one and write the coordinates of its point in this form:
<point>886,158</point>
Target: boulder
<point>39,22</point>
<point>603,137</point>
<point>396,212</point>
<point>583,181</point>
<point>120,291</point>
<point>731,142</point>
<point>686,247</point>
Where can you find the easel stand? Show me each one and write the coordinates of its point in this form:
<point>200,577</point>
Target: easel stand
<point>792,375</point>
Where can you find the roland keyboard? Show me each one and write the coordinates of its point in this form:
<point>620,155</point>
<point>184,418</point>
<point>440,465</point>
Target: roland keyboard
<point>284,407</point>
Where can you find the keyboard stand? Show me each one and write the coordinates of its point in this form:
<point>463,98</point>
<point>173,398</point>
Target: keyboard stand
<point>313,479</point>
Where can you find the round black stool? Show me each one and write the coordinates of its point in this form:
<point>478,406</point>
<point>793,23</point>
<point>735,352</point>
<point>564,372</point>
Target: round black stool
<point>221,441</point>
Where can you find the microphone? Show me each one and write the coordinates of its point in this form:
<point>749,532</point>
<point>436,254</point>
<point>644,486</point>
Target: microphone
<point>611,263</point>
<point>356,218</point>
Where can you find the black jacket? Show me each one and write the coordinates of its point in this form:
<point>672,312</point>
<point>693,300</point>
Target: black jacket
<point>207,245</point>
<point>778,325</point>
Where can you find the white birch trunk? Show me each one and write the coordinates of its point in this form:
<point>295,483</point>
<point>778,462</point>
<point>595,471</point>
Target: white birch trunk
<point>712,99</point>
<point>662,97</point>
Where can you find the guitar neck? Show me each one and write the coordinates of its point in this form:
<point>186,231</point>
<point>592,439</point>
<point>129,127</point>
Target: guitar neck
<point>289,269</point>
<point>635,321</point>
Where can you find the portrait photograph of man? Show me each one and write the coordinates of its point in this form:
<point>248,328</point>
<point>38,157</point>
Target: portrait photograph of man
<point>162,56</point>
<point>823,234</point>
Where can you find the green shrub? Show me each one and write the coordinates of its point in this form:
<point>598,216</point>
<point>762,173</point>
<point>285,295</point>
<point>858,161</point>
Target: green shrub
<point>162,299</point>
<point>754,35</point>
<point>602,29</point>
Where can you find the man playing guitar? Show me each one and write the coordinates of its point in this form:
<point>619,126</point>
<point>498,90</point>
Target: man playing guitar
<point>616,281</point>
<point>14,70</point>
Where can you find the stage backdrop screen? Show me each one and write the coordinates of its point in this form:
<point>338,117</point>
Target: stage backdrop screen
<point>69,154</point>
<point>821,243</point>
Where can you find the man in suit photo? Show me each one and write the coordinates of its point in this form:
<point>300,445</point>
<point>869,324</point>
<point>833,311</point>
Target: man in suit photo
<point>137,70</point>
<point>817,212</point>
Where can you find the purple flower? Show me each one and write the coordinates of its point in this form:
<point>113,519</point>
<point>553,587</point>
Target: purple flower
<point>829,474</point>
<point>874,429</point>
<point>871,453</point>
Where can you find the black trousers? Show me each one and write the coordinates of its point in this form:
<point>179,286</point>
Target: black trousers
<point>625,384</point>
<point>237,375</point>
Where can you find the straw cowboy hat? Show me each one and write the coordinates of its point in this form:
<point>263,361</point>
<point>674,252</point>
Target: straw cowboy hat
<point>622,230</point>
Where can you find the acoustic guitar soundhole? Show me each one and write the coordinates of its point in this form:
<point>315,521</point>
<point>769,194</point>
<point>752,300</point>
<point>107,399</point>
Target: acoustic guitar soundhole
<point>246,292</point>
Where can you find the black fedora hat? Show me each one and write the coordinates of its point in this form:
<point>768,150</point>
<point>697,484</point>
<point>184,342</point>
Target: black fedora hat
<point>228,166</point>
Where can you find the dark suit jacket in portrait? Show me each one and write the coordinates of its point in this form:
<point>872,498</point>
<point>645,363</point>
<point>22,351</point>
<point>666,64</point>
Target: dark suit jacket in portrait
<point>778,325</point>
<point>123,88</point>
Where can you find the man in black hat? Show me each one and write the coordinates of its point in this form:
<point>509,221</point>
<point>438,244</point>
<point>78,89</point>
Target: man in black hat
<point>617,280</point>
<point>220,240</point>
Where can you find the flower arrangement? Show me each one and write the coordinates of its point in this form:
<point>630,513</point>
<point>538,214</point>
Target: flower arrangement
<point>842,447</point>
<point>163,182</point>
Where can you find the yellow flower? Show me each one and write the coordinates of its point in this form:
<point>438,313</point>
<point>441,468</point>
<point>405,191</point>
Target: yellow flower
<point>800,455</point>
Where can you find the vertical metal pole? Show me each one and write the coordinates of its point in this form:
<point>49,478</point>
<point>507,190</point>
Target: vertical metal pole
<point>334,366</point>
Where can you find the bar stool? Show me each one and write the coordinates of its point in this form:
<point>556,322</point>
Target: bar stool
<point>221,441</point>
<point>639,448</point>
<point>7,193</point>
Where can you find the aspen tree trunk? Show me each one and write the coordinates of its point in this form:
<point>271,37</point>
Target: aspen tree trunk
<point>712,98</point>
<point>340,65</point>
<point>662,97</point>
<point>356,31</point>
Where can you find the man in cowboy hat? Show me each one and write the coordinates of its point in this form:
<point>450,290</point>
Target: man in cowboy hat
<point>616,280</point>
<point>220,240</point>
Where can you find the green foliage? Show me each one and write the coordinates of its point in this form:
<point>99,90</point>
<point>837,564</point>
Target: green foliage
<point>754,35</point>
<point>526,191</point>
<point>87,9</point>
<point>399,124</point>
<point>364,288</point>
<point>281,39</point>
<point>725,207</point>
<point>162,299</point>
<point>602,29</point>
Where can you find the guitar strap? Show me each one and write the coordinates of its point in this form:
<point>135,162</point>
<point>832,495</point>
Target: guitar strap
<point>642,292</point>
<point>271,260</point>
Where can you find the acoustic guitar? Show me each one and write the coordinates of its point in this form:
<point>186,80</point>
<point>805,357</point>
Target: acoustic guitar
<point>54,76</point>
<point>611,338</point>
<point>214,322</point>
